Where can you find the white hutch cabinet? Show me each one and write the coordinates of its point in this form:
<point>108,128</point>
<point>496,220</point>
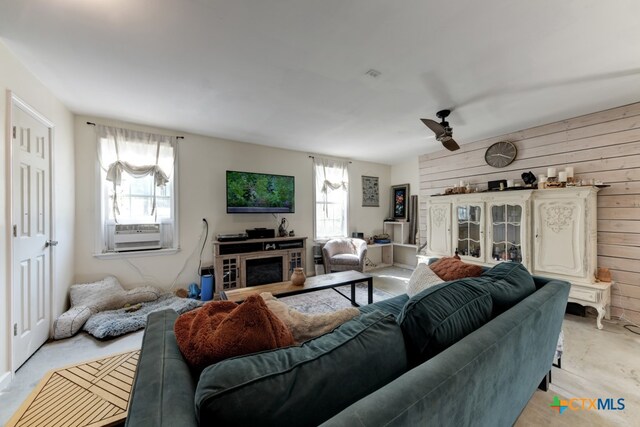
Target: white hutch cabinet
<point>491,227</point>
<point>552,232</point>
<point>439,227</point>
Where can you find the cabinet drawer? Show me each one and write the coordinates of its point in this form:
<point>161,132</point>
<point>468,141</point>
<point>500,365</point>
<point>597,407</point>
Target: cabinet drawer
<point>583,294</point>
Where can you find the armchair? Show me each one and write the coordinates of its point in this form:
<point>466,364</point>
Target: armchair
<point>344,254</point>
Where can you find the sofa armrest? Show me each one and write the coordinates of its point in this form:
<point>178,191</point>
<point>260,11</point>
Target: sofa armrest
<point>163,389</point>
<point>486,378</point>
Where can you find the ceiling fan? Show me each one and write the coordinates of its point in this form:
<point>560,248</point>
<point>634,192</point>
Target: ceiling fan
<point>442,130</point>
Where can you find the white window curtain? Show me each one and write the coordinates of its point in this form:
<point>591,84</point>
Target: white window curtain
<point>137,153</point>
<point>137,182</point>
<point>331,197</point>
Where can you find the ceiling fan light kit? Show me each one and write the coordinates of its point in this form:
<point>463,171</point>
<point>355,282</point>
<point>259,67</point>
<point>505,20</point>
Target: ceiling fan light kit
<point>442,130</point>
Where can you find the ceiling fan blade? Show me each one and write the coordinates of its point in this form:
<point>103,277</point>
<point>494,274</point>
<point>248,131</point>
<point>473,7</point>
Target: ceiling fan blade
<point>449,143</point>
<point>436,127</point>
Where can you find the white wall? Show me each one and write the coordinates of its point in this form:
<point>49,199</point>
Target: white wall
<point>202,163</point>
<point>16,78</point>
<point>407,172</point>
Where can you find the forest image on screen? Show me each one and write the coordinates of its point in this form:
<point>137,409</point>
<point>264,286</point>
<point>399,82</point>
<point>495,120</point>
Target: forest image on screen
<point>259,193</point>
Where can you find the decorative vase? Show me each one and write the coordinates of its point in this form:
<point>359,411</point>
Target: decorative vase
<point>298,277</point>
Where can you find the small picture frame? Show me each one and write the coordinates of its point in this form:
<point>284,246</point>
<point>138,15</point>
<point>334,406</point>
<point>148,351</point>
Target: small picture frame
<point>370,191</point>
<point>400,201</point>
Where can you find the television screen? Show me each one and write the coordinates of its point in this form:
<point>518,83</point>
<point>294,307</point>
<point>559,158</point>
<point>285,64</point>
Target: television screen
<point>249,192</point>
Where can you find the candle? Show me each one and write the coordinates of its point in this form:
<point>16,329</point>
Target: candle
<point>509,183</point>
<point>551,172</point>
<point>461,183</point>
<point>569,171</point>
<point>562,176</point>
<point>542,178</point>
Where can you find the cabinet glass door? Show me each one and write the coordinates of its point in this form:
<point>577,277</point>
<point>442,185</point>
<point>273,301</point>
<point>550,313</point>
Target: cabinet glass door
<point>469,220</point>
<point>506,231</point>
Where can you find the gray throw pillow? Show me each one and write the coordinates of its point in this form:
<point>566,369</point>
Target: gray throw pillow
<point>422,278</point>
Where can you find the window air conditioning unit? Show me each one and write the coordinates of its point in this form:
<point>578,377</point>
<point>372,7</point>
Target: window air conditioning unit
<point>137,237</point>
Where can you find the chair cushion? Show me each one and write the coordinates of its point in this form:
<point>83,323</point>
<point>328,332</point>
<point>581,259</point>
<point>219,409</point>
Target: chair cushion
<point>452,269</point>
<point>508,283</point>
<point>440,316</point>
<point>340,368</point>
<point>223,329</point>
<point>345,259</point>
<point>340,246</point>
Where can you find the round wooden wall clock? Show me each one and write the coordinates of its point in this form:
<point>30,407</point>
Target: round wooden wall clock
<point>500,154</point>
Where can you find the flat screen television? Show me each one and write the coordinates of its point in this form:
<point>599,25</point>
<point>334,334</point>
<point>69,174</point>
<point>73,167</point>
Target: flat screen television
<point>249,192</point>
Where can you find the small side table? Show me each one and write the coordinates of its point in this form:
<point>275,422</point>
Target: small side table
<point>596,295</point>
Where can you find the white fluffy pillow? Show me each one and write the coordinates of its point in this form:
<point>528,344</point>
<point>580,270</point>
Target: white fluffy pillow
<point>422,278</point>
<point>304,326</point>
<point>108,294</point>
<point>102,295</point>
<point>70,322</point>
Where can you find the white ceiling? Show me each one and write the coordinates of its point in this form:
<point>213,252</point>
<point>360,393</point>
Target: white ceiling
<point>291,73</point>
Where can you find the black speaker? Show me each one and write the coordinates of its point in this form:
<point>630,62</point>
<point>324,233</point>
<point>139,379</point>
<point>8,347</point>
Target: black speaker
<point>261,233</point>
<point>495,185</point>
<point>357,235</point>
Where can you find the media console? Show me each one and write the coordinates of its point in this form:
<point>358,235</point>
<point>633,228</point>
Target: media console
<point>253,262</point>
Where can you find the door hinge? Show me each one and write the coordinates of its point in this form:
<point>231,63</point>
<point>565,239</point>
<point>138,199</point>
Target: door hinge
<point>15,329</point>
<point>15,231</point>
<point>14,132</point>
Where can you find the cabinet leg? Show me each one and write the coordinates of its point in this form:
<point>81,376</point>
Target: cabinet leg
<point>601,313</point>
<point>544,384</point>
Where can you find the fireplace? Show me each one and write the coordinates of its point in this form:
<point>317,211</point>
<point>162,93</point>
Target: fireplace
<point>260,271</point>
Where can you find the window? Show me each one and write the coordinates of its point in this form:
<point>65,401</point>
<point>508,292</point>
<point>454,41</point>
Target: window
<point>137,186</point>
<point>331,198</point>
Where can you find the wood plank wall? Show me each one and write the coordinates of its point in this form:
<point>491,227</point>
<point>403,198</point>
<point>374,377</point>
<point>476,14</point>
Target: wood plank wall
<point>604,146</point>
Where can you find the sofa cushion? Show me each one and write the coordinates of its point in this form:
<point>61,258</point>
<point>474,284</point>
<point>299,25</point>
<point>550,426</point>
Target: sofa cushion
<point>423,277</point>
<point>223,329</point>
<point>442,315</point>
<point>303,385</point>
<point>508,283</point>
<point>452,269</point>
<point>392,305</point>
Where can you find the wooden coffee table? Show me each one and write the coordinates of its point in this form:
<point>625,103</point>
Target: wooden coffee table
<point>314,283</point>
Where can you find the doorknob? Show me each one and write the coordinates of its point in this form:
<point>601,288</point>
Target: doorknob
<point>50,243</point>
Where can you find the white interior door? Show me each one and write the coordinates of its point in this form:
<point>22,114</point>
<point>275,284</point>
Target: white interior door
<point>31,214</point>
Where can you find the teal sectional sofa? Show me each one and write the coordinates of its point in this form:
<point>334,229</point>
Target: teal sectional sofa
<point>456,354</point>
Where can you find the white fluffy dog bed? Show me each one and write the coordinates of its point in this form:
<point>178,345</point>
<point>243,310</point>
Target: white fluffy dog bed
<point>90,298</point>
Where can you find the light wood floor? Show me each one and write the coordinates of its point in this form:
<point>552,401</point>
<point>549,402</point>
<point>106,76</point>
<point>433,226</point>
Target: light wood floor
<point>596,364</point>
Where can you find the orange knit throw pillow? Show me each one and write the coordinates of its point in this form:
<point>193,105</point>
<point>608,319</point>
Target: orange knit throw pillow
<point>452,269</point>
<point>222,329</point>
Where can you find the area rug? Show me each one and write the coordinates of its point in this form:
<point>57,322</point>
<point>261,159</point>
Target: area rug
<point>113,323</point>
<point>93,393</point>
<point>328,300</point>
